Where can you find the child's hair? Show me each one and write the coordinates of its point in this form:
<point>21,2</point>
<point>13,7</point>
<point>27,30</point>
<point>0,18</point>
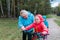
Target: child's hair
<point>40,17</point>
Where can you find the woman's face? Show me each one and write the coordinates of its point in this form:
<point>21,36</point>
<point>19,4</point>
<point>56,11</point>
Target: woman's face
<point>24,15</point>
<point>37,20</point>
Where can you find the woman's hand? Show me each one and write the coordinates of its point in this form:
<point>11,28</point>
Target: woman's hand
<point>23,28</point>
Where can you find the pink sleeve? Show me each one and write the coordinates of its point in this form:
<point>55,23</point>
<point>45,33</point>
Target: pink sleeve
<point>30,26</point>
<point>44,27</point>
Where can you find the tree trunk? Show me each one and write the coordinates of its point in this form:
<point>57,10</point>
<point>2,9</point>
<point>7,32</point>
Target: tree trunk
<point>13,1</point>
<point>1,9</point>
<point>13,13</point>
<point>35,11</point>
<point>11,8</point>
<point>18,6</point>
<point>8,7</point>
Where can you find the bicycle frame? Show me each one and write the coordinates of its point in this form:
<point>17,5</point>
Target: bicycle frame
<point>37,36</point>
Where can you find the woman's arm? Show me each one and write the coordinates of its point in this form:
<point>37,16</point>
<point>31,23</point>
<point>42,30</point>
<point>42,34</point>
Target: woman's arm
<point>20,25</point>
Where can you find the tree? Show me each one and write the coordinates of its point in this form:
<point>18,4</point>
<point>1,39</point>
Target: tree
<point>1,8</point>
<point>58,10</point>
<point>18,7</point>
<point>47,7</point>
<point>8,7</point>
<point>11,8</point>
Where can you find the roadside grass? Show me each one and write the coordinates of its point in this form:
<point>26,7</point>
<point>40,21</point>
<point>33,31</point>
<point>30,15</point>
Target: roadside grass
<point>9,29</point>
<point>50,15</point>
<point>57,20</point>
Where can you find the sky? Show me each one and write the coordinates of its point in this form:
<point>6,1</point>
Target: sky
<point>55,3</point>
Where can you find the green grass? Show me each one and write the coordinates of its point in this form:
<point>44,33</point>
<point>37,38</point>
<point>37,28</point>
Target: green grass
<point>57,20</point>
<point>9,30</point>
<point>50,15</point>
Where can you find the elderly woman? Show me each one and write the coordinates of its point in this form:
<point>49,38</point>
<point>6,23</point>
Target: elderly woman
<point>26,18</point>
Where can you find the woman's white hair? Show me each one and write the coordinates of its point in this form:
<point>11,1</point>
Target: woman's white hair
<point>24,11</point>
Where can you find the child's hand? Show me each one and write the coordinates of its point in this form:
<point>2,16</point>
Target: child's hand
<point>44,33</point>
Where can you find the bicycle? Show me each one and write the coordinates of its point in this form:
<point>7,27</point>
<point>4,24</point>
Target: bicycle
<point>38,36</point>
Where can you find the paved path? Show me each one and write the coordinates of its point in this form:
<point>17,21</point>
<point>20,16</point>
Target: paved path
<point>54,30</point>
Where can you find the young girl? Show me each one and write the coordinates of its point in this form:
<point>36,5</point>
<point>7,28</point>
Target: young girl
<point>38,25</point>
